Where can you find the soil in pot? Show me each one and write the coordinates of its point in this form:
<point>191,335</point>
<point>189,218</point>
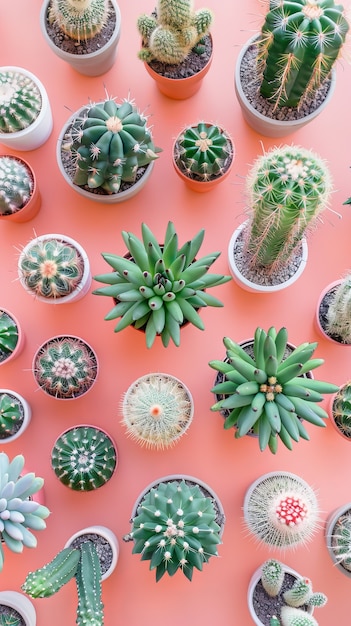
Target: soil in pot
<point>10,616</point>
<point>103,548</point>
<point>265,606</point>
<point>192,65</point>
<point>323,313</point>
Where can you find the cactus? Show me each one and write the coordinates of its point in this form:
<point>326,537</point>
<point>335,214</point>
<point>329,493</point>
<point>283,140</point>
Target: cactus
<point>203,152</point>
<point>274,621</point>
<point>10,620</point>
<point>156,410</point>
<point>18,511</point>
<point>79,19</point>
<point>296,617</point>
<point>20,101</point>
<point>342,409</point>
<point>11,414</point>
<point>160,287</point>
<point>299,593</point>
<point>8,335</point>
<point>47,580</point>
<point>175,528</point>
<point>16,185</point>
<point>84,458</point>
<point>267,394</point>
<point>298,46</point>
<point>282,511</point>
<point>288,188</point>
<point>272,577</point>
<point>340,541</point>
<point>173,32</point>
<point>51,268</point>
<point>317,599</point>
<point>339,311</point>
<point>65,367</point>
<point>108,144</point>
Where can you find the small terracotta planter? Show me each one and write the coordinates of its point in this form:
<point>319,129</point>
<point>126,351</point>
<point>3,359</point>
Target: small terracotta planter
<point>32,206</point>
<point>6,358</point>
<point>21,604</point>
<point>100,535</point>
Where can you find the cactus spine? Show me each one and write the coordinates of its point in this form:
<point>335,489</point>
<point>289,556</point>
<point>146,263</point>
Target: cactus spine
<point>16,185</point>
<point>79,19</point>
<point>339,312</point>
<point>8,335</point>
<point>20,101</point>
<point>299,44</point>
<point>203,152</point>
<point>88,581</point>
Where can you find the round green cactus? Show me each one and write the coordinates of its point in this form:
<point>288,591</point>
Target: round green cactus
<point>340,541</point>
<point>8,335</point>
<point>11,414</point>
<point>291,616</point>
<point>342,409</point>
<point>20,101</point>
<point>79,19</point>
<point>16,185</point>
<point>203,152</point>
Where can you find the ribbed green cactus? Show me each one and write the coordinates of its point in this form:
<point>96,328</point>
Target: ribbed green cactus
<point>340,541</point>
<point>20,101</point>
<point>49,579</point>
<point>288,187</point>
<point>160,287</point>
<point>109,143</point>
<point>19,512</point>
<point>84,458</point>
<point>299,593</point>
<point>342,409</point>
<point>79,19</point>
<point>175,528</point>
<point>339,311</point>
<point>272,577</point>
<point>203,152</point>
<point>51,268</point>
<point>7,619</point>
<point>16,185</point>
<point>299,44</point>
<point>173,32</point>
<point>65,367</point>
<point>296,617</point>
<point>8,335</point>
<point>11,414</point>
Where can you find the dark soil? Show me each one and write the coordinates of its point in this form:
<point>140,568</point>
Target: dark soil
<point>323,313</point>
<point>8,613</point>
<point>103,548</point>
<point>71,46</point>
<point>265,606</point>
<point>193,63</point>
<point>15,428</point>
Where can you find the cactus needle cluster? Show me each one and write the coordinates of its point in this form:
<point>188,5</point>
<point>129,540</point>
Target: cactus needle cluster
<point>20,101</point>
<point>79,19</point>
<point>203,152</point>
<point>16,185</point>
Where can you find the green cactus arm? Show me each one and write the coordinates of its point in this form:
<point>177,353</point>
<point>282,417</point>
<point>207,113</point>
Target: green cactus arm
<point>47,580</point>
<point>88,581</point>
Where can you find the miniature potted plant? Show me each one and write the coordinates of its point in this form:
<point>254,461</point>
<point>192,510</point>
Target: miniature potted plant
<point>284,75</point>
<point>177,524</point>
<point>265,392</point>
<point>11,336</point>
<point>55,269</point>
<point>16,609</point>
<point>288,188</point>
<point>83,33</point>
<point>65,367</point>
<point>19,193</point>
<point>203,155</point>
<point>338,538</point>
<point>20,512</point>
<point>157,410</point>
<point>281,510</point>
<point>340,411</point>
<point>105,151</point>
<point>159,287</point>
<point>176,46</point>
<point>84,561</point>
<point>15,415</point>
<point>26,118</point>
<point>333,315</point>
<point>275,589</point>
<point>84,458</point>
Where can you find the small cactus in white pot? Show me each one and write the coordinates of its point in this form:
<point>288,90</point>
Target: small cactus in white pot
<point>11,336</point>
<point>333,315</point>
<point>19,194</point>
<point>15,415</point>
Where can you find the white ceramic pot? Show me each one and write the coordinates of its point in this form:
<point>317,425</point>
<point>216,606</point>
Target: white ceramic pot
<point>318,324</point>
<point>108,535</point>
<point>20,340</point>
<point>37,133</point>
<point>329,529</point>
<point>27,414</point>
<point>21,604</point>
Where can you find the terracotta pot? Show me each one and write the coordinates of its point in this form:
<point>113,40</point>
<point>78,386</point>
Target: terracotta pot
<point>93,63</point>
<point>31,208</point>
<point>318,325</point>
<point>20,603</point>
<point>265,125</point>
<point>27,414</point>
<point>329,530</point>
<point>106,534</point>
<point>20,341</point>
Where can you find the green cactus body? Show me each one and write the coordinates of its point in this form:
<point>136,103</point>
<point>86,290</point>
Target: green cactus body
<point>8,335</point>
<point>272,577</point>
<point>174,32</point>
<point>175,528</point>
<point>342,409</point>
<point>79,19</point>
<point>84,458</point>
<point>16,185</point>
<point>287,188</point>
<point>339,312</point>
<point>51,268</point>
<point>109,143</point>
<point>65,367</point>
<point>160,287</point>
<point>299,593</point>
<point>299,44</point>
<point>203,151</point>
<point>20,101</point>
<point>11,414</point>
<point>317,599</point>
<point>341,541</point>
<point>88,580</point>
<point>47,580</point>
<point>291,616</point>
<point>10,620</point>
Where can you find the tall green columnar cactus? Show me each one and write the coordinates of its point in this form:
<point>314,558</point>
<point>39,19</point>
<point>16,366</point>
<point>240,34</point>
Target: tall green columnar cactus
<point>49,579</point>
<point>202,151</point>
<point>8,335</point>
<point>287,187</point>
<point>299,43</point>
<point>109,144</point>
<point>16,185</point>
<point>20,101</point>
<point>79,19</point>
<point>272,577</point>
<point>339,311</point>
<point>176,29</point>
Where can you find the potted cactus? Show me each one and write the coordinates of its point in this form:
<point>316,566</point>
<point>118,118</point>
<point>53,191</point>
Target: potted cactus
<point>89,557</point>
<point>275,589</point>
<point>159,287</point>
<point>263,391</point>
<point>19,193</point>
<point>285,75</point>
<point>21,513</point>
<point>11,336</point>
<point>84,458</point>
<point>176,46</point>
<point>105,151</point>
<point>177,524</point>
<point>65,367</point>
<point>338,538</point>
<point>157,410</point>
<point>287,187</point>
<point>55,269</point>
<point>203,155</point>
<point>83,33</point>
<point>26,118</point>
<point>15,415</point>
<point>16,609</point>
<point>340,410</point>
<point>333,315</point>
